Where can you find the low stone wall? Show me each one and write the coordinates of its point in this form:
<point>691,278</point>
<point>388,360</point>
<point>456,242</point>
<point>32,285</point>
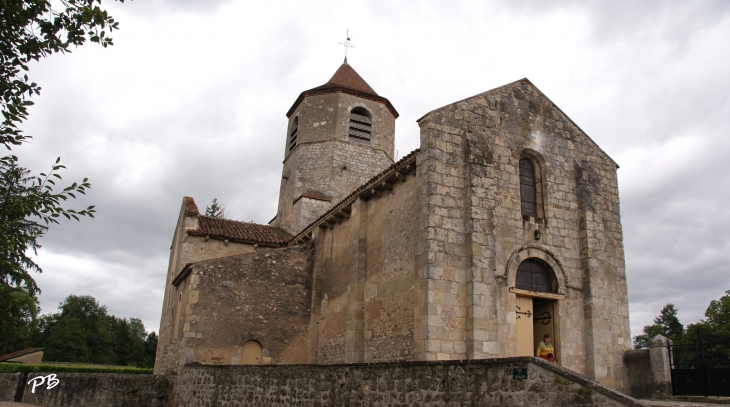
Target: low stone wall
<point>8,386</point>
<point>101,390</point>
<point>488,382</point>
<point>638,367</point>
<point>649,371</point>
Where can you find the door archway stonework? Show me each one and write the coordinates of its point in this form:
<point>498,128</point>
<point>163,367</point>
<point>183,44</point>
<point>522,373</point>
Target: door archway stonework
<point>525,253</point>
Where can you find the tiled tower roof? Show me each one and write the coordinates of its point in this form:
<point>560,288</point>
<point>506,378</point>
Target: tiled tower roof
<point>346,77</point>
<point>345,80</point>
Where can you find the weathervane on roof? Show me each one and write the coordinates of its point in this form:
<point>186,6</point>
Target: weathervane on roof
<point>347,45</point>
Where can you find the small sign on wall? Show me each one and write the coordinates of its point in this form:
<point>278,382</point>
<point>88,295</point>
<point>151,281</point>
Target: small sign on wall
<point>519,374</point>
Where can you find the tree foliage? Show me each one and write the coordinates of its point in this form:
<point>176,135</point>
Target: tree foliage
<point>215,209</point>
<point>31,30</point>
<point>83,332</point>
<point>18,312</point>
<point>666,324</point>
<point>27,206</point>
<point>715,328</point>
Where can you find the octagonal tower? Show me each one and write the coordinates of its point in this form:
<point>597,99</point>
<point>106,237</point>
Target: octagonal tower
<point>339,136</point>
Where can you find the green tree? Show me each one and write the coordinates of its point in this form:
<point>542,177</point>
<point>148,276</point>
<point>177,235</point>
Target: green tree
<point>79,333</point>
<point>31,30</point>
<point>150,349</point>
<point>716,326</point>
<point>18,313</point>
<point>718,318</point>
<point>215,209</point>
<point>25,202</point>
<point>84,332</point>
<point>666,324</point>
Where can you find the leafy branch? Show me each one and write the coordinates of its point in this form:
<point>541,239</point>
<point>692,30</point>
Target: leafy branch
<point>31,30</point>
<point>27,206</point>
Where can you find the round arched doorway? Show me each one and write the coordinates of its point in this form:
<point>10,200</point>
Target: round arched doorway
<point>536,294</point>
<point>251,353</point>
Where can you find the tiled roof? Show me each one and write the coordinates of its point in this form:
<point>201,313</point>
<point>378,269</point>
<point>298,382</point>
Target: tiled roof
<point>19,353</point>
<point>345,80</point>
<point>234,230</point>
<point>364,187</point>
<point>346,77</point>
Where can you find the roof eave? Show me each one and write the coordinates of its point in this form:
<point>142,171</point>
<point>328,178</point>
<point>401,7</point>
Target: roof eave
<point>234,240</point>
<point>345,90</point>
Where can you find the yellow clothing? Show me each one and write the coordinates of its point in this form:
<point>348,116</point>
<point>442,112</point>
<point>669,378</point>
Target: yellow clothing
<point>544,348</point>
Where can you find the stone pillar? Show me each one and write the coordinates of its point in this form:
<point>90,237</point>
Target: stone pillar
<point>606,328</point>
<point>591,236</point>
<point>355,334</point>
<point>317,272</point>
<point>442,255</point>
<point>482,324</point>
<point>661,373</point>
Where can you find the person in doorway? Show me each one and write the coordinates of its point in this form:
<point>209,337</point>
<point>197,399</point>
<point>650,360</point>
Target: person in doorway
<point>545,349</point>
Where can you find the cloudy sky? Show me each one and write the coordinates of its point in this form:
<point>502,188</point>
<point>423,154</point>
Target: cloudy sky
<point>192,98</point>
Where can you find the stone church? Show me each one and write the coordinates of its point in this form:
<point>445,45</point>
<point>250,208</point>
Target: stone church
<point>503,226</point>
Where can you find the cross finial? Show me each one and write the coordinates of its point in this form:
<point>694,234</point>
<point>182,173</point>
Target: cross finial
<point>347,45</point>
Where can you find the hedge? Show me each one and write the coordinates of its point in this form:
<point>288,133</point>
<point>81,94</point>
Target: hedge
<point>30,368</point>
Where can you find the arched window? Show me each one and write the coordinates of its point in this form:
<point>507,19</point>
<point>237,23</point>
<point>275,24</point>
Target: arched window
<point>361,125</point>
<point>534,274</point>
<point>528,192</point>
<point>293,133</point>
<point>251,353</point>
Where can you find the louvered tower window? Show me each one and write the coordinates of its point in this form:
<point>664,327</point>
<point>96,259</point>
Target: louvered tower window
<point>535,275</point>
<point>528,193</point>
<point>361,126</point>
<point>293,133</point>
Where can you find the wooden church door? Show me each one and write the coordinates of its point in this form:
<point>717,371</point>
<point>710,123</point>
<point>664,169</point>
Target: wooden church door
<point>524,317</point>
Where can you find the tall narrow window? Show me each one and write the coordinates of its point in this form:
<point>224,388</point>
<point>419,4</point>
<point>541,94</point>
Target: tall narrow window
<point>293,133</point>
<point>528,192</point>
<point>361,126</point>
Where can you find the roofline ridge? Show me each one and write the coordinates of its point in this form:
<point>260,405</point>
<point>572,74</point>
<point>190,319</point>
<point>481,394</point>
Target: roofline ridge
<point>541,93</point>
<point>233,220</point>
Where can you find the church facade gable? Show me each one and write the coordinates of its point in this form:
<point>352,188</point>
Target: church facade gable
<point>471,151</point>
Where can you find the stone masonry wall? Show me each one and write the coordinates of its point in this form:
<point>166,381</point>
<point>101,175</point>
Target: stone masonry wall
<point>326,117</point>
<point>389,295</point>
<point>472,235</point>
<point>263,296</point>
<point>185,249</point>
<point>325,159</point>
<point>365,265</point>
<point>8,386</point>
<point>451,383</point>
<point>101,390</point>
<point>638,366</point>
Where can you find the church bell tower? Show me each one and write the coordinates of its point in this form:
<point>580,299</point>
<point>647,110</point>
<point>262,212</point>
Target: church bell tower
<point>339,136</point>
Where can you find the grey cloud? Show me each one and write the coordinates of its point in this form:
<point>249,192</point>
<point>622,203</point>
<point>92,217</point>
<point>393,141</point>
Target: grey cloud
<point>676,20</point>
